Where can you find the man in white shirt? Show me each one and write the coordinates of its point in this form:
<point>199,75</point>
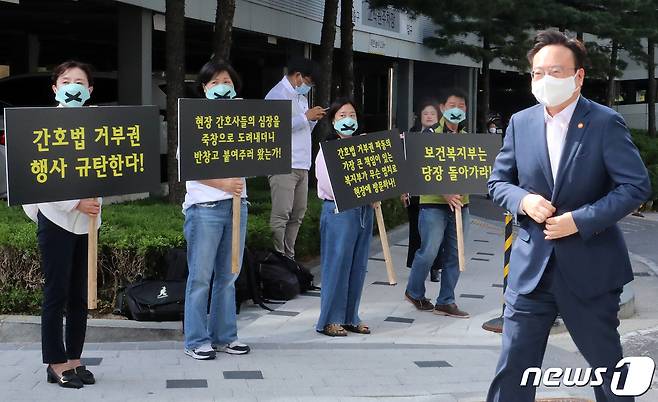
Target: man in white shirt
<point>290,191</point>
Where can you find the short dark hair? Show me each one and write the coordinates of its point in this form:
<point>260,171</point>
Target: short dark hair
<point>331,113</point>
<point>308,68</point>
<point>553,37</point>
<point>425,103</point>
<point>69,64</point>
<point>456,92</point>
<point>212,68</point>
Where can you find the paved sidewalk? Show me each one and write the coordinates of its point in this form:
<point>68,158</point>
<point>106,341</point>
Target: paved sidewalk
<point>410,356</point>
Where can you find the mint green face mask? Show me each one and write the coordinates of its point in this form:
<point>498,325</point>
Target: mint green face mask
<point>346,126</point>
<point>221,91</point>
<point>455,115</point>
<point>72,95</point>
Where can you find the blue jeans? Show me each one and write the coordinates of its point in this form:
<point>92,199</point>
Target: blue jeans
<point>208,233</point>
<point>344,248</point>
<point>434,224</point>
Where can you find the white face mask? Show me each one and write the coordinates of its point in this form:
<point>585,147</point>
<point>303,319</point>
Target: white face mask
<point>551,91</point>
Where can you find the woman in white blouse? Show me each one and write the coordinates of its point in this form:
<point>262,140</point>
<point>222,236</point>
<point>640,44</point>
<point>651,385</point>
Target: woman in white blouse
<point>62,239</point>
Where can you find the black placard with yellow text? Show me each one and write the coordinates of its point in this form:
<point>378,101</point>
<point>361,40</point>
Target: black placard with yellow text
<point>365,168</point>
<point>233,138</point>
<point>56,154</point>
<point>450,163</point>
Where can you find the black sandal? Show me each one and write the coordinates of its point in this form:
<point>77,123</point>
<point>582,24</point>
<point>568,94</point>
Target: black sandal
<point>359,329</point>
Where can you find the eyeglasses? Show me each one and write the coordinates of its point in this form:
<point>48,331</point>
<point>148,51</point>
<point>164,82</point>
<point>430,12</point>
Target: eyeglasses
<point>553,71</point>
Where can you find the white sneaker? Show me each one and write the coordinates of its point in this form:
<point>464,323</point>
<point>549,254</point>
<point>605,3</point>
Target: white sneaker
<point>203,352</point>
<point>234,348</point>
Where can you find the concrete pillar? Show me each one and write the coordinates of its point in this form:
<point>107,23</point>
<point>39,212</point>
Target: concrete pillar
<point>405,95</point>
<point>33,47</point>
<point>18,59</point>
<point>472,98</point>
<point>135,26</point>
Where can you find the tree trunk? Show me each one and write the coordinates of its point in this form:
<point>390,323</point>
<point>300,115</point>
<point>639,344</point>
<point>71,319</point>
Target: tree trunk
<point>346,45</point>
<point>223,30</point>
<point>612,72</point>
<point>175,60</point>
<point>486,77</point>
<point>327,52</point>
<point>651,93</point>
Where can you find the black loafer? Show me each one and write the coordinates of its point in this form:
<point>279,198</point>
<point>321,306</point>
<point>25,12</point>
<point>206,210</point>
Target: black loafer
<point>86,376</point>
<point>67,380</point>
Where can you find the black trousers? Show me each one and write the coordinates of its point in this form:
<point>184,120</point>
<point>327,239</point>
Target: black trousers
<point>64,266</point>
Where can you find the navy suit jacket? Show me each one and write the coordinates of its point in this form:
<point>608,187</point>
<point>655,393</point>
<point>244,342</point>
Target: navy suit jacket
<point>601,179</point>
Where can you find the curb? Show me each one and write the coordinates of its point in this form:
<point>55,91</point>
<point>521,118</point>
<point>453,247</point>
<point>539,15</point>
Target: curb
<point>653,267</point>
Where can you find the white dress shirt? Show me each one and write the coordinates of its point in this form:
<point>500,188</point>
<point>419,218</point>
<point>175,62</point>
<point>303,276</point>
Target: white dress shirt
<point>301,127</point>
<point>556,133</point>
<point>325,192</point>
<point>63,214</point>
<point>198,193</point>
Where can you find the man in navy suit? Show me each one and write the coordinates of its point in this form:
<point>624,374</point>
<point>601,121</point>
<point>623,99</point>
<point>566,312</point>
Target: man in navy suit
<point>569,171</point>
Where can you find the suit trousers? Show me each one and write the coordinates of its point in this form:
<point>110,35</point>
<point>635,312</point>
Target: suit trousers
<point>528,319</point>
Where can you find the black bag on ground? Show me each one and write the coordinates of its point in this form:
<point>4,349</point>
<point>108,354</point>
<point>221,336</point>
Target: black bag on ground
<point>248,284</point>
<point>304,276</point>
<point>175,262</point>
<point>278,280</point>
<point>152,300</point>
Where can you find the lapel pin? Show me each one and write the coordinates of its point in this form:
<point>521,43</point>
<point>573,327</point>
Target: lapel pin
<point>581,125</point>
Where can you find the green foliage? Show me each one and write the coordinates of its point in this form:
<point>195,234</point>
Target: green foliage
<point>20,301</point>
<point>16,229</point>
<point>133,239</point>
<point>648,147</point>
<point>482,32</point>
<point>142,226</point>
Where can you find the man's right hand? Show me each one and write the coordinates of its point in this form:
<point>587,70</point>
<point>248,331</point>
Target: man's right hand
<point>315,113</point>
<point>89,206</point>
<point>454,201</point>
<point>233,186</point>
<point>537,207</point>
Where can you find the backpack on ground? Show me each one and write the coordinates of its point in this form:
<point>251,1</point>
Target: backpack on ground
<point>304,276</point>
<point>248,284</point>
<point>175,262</point>
<point>152,300</point>
<point>278,276</point>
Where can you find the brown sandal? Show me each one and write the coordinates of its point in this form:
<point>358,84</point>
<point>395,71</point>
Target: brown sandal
<point>359,329</point>
<point>334,330</point>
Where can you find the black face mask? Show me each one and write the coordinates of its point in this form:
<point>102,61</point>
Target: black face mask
<point>227,95</point>
<point>73,97</point>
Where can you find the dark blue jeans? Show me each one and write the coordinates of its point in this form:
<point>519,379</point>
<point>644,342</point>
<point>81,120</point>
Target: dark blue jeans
<point>437,225</point>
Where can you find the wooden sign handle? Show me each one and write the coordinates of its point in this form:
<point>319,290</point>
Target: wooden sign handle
<point>235,235</point>
<point>392,280</point>
<point>460,239</point>
<point>92,264</point>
